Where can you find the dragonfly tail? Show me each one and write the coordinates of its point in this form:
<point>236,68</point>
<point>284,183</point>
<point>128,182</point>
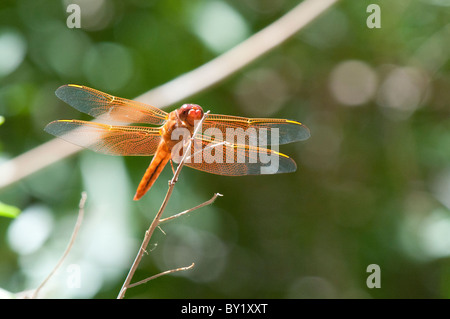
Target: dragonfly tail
<point>151,174</point>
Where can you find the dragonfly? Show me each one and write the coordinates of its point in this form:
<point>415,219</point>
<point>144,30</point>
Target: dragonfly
<point>223,145</point>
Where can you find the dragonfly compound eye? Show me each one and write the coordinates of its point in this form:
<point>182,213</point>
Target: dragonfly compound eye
<point>191,113</point>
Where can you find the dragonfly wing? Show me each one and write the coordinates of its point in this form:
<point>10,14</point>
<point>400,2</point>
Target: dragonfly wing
<point>96,104</point>
<point>107,139</point>
<point>256,131</point>
<point>223,158</point>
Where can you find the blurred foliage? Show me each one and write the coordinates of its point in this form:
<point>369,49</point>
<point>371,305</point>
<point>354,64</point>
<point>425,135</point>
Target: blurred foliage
<point>8,210</point>
<point>372,185</point>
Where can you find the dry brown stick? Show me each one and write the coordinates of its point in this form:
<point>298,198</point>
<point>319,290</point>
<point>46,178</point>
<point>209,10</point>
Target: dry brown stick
<point>181,87</point>
<point>238,57</point>
<point>155,222</point>
<point>208,202</point>
<point>161,274</point>
<point>69,246</point>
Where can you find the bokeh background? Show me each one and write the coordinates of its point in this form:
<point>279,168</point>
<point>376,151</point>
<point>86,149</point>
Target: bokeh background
<point>372,185</point>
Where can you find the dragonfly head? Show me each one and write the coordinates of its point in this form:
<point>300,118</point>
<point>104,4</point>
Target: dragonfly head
<point>190,113</point>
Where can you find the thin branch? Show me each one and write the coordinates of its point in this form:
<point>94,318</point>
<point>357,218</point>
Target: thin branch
<point>155,222</point>
<point>211,146</point>
<point>208,202</point>
<point>238,57</point>
<point>181,87</point>
<point>161,274</point>
<point>69,246</point>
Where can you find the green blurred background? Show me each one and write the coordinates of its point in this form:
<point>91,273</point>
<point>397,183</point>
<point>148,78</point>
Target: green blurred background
<point>372,185</point>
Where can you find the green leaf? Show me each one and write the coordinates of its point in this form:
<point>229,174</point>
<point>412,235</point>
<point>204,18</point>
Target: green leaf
<point>9,211</point>
<point>2,120</point>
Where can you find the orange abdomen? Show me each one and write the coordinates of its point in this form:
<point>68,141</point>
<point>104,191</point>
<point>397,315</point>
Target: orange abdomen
<point>159,161</point>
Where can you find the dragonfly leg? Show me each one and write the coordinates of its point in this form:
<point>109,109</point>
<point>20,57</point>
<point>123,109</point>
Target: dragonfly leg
<point>171,164</point>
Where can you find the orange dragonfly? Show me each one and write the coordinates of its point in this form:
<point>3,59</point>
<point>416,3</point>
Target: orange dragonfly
<point>224,145</point>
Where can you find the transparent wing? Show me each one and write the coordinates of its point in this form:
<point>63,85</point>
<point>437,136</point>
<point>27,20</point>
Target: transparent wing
<point>259,130</point>
<point>223,158</point>
<point>107,139</point>
<point>96,103</point>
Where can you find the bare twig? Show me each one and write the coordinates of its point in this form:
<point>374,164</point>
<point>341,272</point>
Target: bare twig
<point>155,222</point>
<point>161,274</point>
<point>208,202</point>
<point>238,57</point>
<point>69,246</point>
<point>183,86</point>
